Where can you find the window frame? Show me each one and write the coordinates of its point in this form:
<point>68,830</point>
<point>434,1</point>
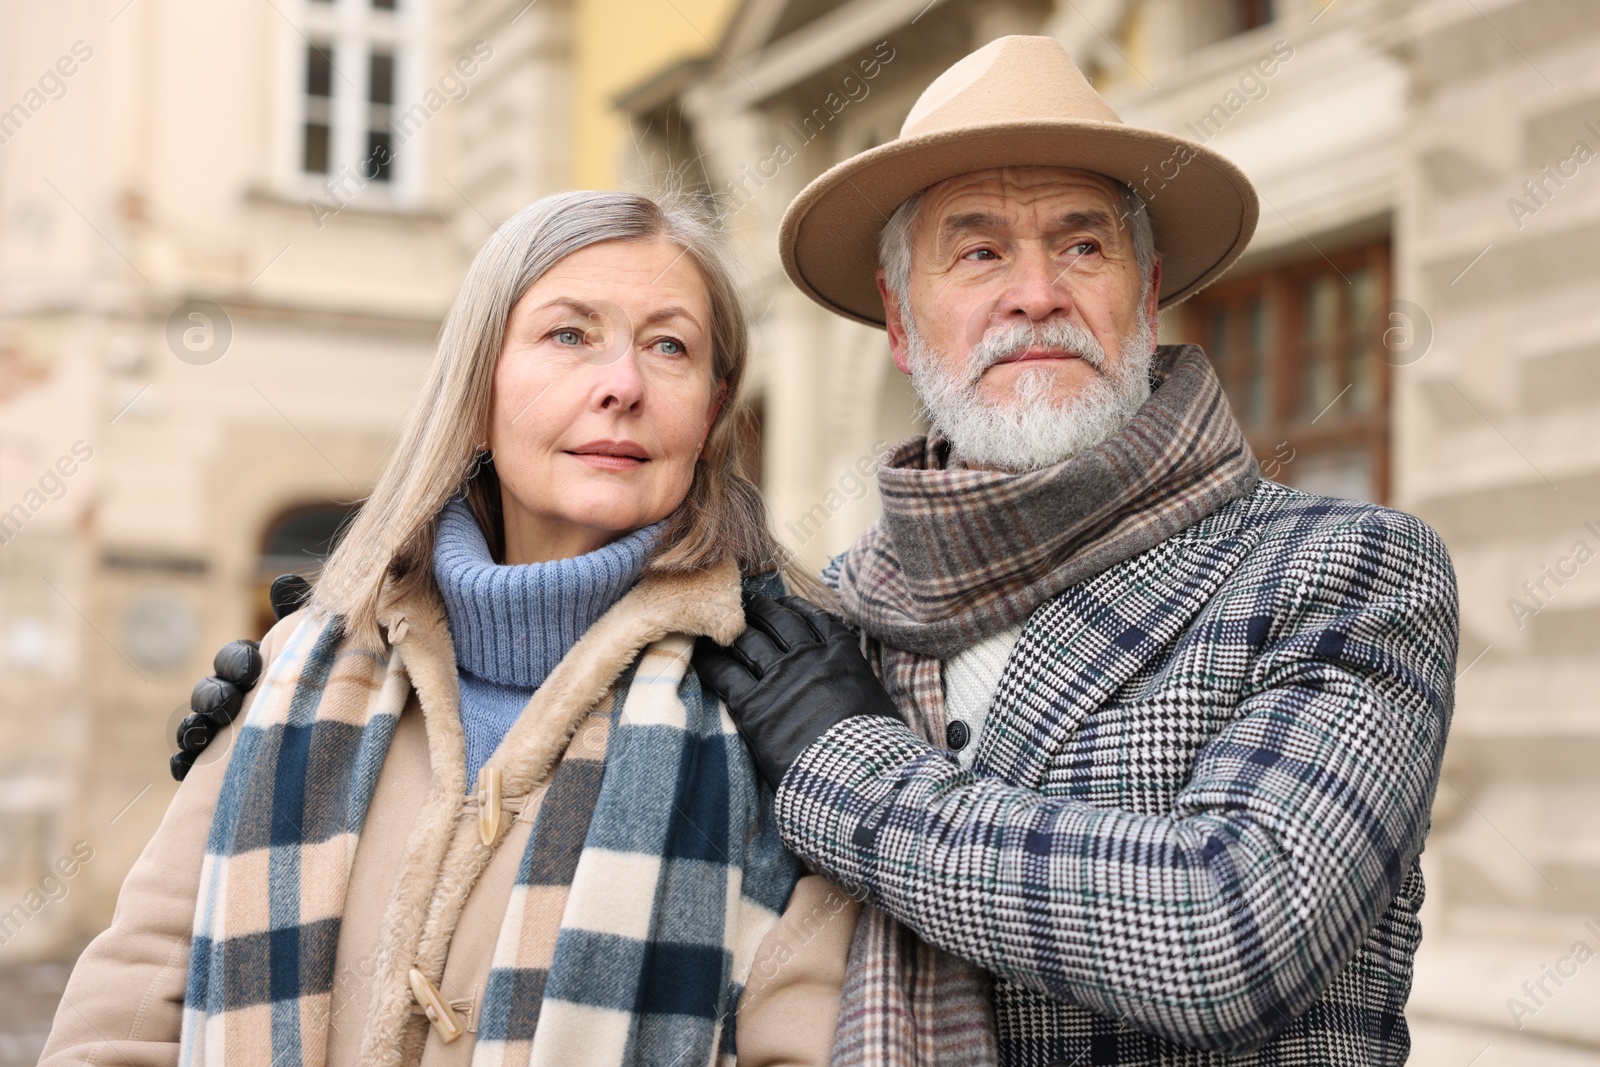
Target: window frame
<point>1282,288</point>
<point>351,30</point>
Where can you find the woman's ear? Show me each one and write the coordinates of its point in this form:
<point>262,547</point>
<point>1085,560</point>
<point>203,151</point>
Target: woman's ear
<point>711,418</point>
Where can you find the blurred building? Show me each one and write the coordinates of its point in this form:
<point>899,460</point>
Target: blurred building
<point>228,235</point>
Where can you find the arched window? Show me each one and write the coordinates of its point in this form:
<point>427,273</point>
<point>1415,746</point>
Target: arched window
<point>297,541</point>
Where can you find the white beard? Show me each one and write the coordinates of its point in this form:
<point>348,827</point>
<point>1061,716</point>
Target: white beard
<point>1030,430</point>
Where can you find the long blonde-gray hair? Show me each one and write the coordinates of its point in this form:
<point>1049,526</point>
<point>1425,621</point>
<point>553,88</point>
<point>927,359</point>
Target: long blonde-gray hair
<point>391,539</point>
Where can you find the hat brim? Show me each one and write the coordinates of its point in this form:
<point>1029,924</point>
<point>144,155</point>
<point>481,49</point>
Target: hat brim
<point>1203,210</point>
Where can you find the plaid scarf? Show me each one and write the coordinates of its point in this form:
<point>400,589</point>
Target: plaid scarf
<point>960,555</point>
<point>652,869</point>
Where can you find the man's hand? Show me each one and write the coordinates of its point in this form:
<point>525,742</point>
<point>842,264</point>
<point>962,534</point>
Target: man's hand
<point>216,701</point>
<point>795,672</point>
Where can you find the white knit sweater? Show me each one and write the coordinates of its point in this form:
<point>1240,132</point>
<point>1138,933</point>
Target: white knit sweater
<point>970,679</point>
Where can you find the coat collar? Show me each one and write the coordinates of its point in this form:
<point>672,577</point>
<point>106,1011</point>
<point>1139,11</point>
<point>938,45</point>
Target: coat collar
<point>698,603</point>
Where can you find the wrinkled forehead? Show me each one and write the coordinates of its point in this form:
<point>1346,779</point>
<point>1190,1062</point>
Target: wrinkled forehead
<point>1019,195</point>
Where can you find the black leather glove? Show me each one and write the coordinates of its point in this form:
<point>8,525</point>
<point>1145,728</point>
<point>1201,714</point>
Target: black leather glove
<point>794,673</point>
<point>216,699</point>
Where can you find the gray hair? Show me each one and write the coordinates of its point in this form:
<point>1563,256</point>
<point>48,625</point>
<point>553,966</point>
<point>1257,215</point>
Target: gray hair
<point>894,243</point>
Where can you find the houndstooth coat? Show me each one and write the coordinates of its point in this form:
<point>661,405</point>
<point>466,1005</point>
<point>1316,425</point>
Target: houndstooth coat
<point>1190,835</point>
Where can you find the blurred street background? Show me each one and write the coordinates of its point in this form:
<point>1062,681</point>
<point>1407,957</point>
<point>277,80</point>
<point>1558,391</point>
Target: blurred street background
<point>229,230</point>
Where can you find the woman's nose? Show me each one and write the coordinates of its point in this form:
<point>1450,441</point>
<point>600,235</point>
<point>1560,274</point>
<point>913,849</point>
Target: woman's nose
<point>621,382</point>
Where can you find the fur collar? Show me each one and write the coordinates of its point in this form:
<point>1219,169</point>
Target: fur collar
<point>699,603</point>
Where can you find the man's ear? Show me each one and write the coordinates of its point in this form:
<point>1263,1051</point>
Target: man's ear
<point>893,325</point>
<point>1154,298</point>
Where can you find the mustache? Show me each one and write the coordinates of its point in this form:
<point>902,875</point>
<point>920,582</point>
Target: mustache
<point>1064,334</point>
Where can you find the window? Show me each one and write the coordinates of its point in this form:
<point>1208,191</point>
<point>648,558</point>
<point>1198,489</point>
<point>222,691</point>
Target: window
<point>1215,20</point>
<point>1299,358</point>
<point>380,107</point>
<point>298,541</point>
<point>317,143</point>
<point>1248,14</point>
<point>353,66</point>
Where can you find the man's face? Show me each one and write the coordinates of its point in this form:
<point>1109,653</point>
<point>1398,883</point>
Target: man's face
<point>1024,293</point>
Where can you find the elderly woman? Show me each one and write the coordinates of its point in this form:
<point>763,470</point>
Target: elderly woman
<point>478,807</point>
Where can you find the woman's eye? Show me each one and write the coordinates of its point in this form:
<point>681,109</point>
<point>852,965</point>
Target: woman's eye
<point>671,346</point>
<point>568,336</point>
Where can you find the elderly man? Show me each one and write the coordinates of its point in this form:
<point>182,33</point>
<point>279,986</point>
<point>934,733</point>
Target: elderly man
<point>1139,763</point>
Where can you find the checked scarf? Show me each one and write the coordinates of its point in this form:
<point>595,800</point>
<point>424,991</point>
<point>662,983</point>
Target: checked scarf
<point>654,860</point>
<point>960,555</point>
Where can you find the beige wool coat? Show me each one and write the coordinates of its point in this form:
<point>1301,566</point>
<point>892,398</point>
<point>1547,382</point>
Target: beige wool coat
<point>124,1002</point>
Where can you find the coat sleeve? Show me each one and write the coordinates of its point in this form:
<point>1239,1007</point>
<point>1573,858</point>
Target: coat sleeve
<point>124,1001</point>
<point>1217,923</point>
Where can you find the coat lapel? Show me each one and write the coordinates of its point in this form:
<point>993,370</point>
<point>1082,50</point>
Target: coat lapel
<point>1077,650</point>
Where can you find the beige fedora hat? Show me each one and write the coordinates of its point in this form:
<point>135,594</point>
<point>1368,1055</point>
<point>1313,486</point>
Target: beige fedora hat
<point>1017,101</point>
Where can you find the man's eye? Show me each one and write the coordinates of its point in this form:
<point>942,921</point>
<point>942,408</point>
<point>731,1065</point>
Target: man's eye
<point>989,252</point>
<point>1083,248</point>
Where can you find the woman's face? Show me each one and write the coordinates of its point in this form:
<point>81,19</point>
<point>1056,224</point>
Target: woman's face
<point>602,397</point>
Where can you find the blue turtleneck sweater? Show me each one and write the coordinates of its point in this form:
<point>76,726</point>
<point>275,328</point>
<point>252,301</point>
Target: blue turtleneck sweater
<point>512,624</point>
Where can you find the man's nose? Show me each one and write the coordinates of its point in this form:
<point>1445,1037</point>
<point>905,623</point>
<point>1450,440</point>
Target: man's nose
<point>1036,286</point>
